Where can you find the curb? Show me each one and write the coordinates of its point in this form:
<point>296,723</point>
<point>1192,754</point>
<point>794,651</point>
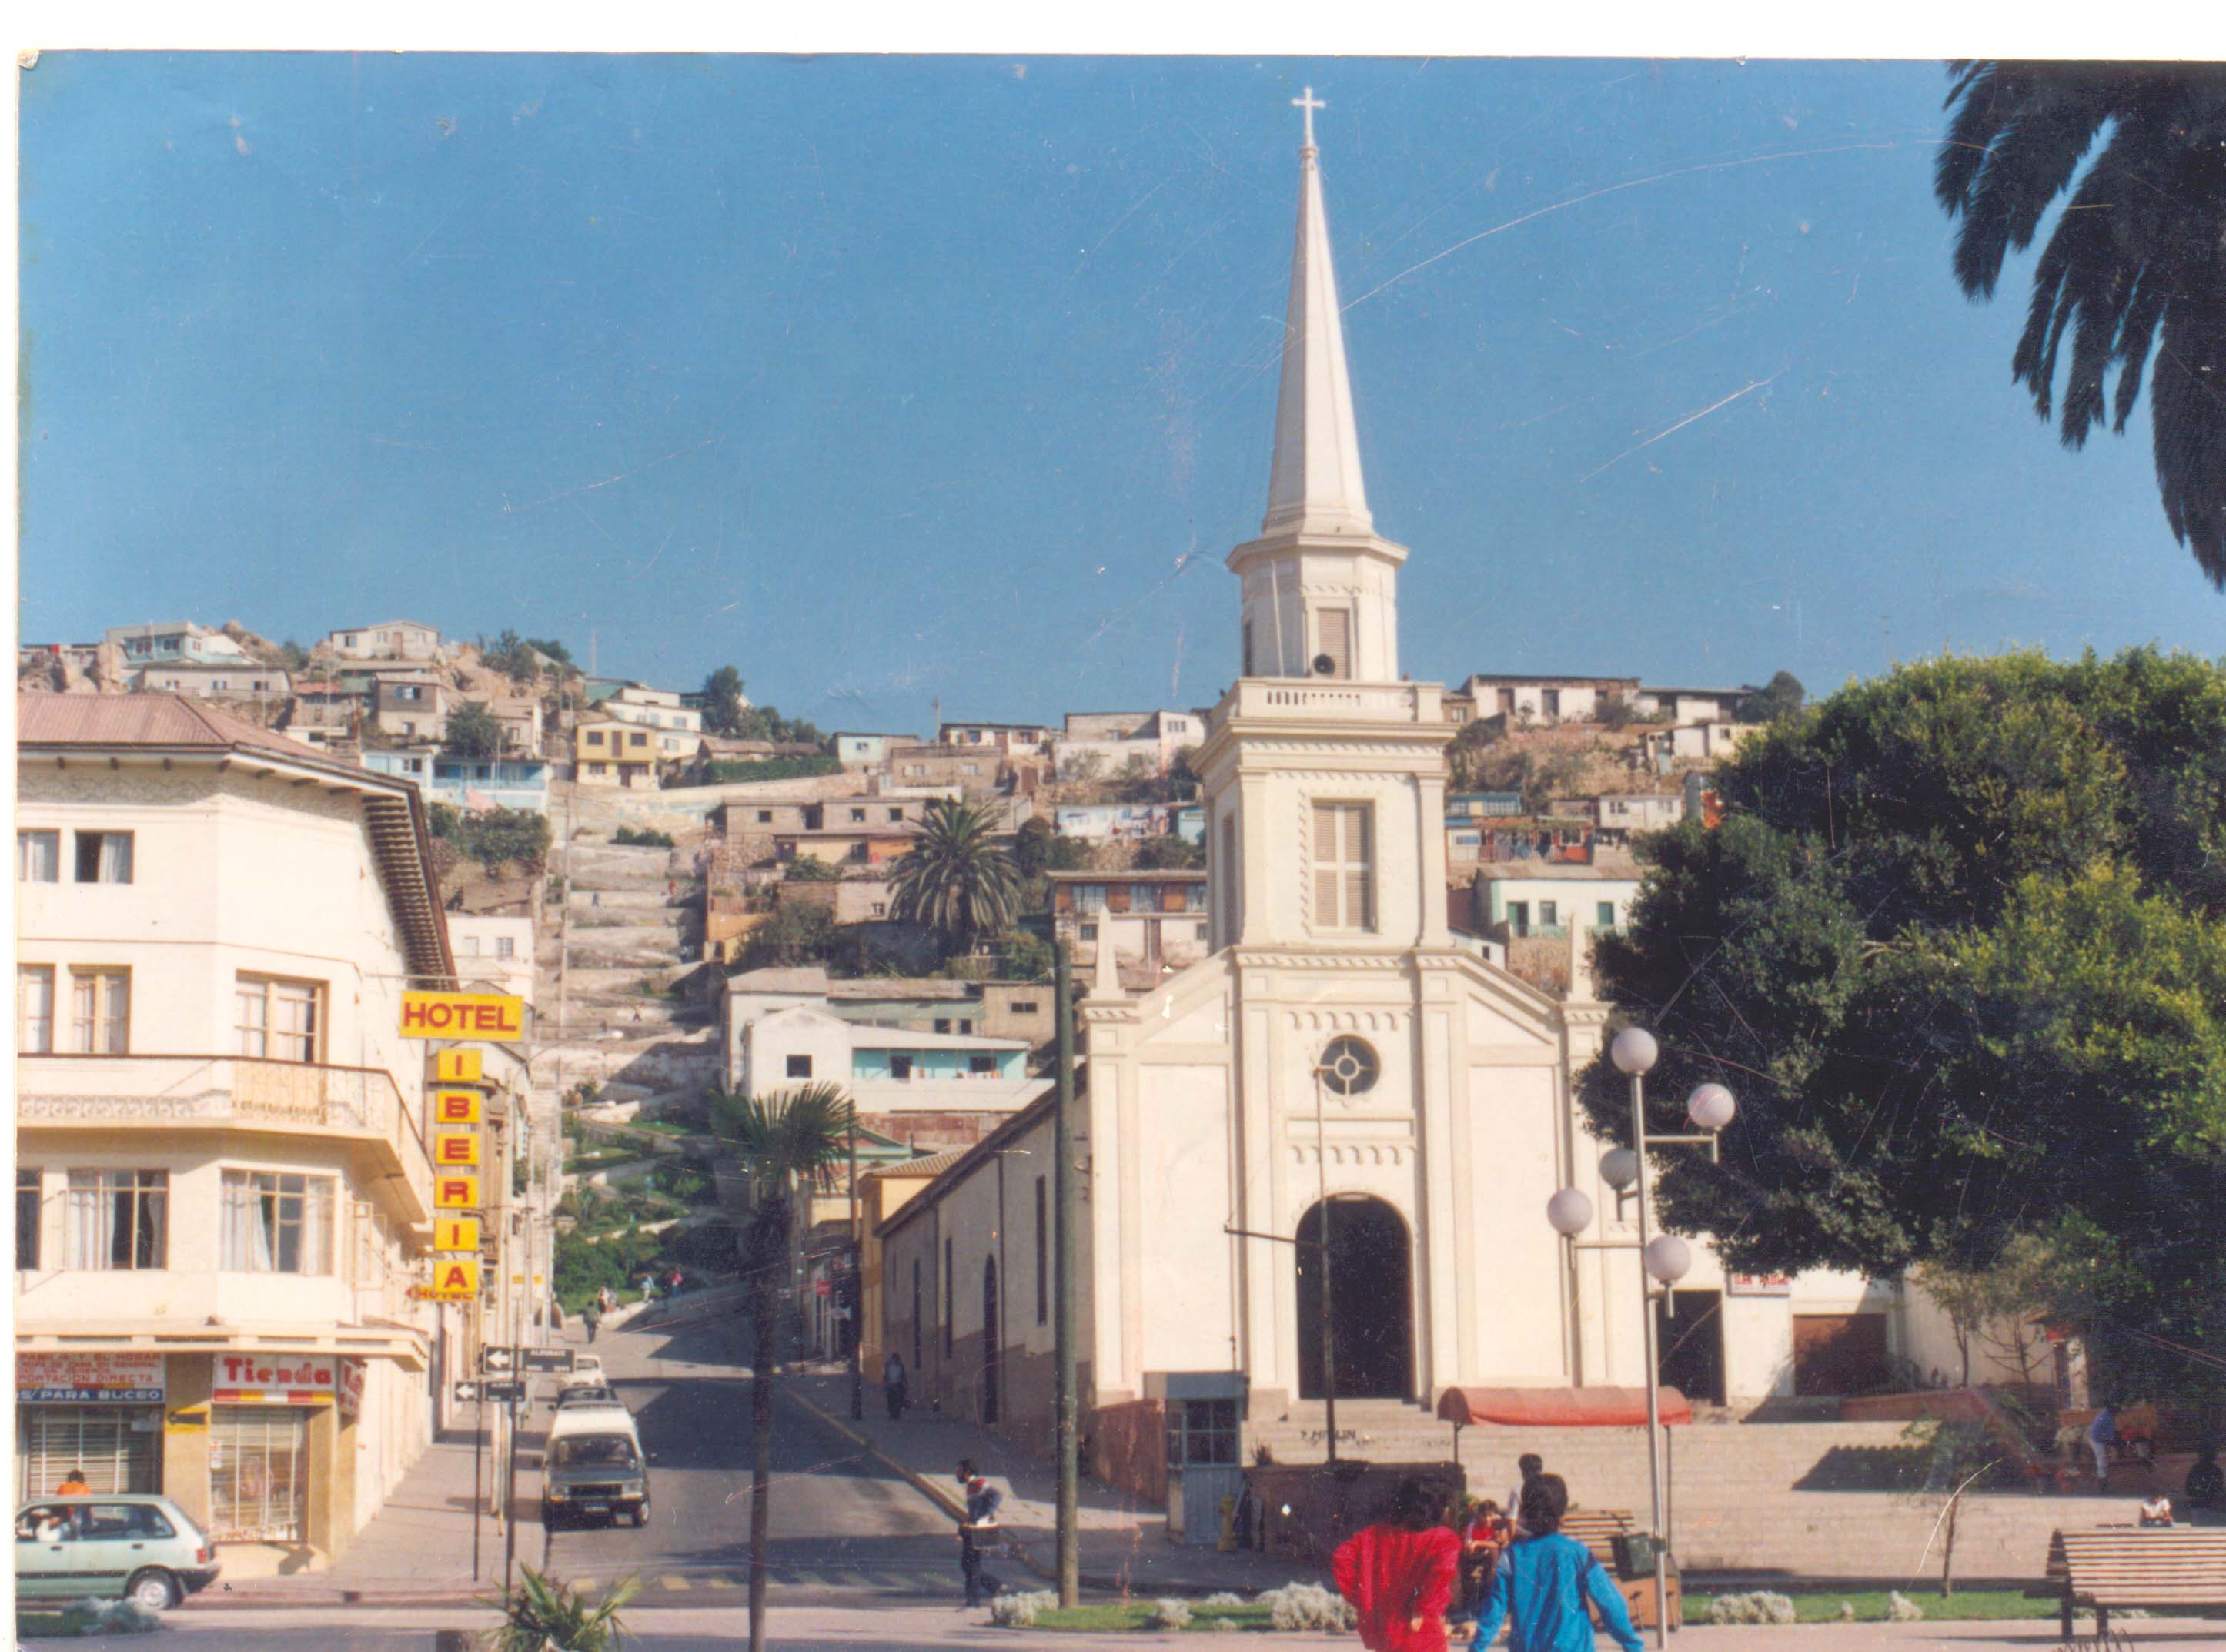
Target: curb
<point>265,1599</point>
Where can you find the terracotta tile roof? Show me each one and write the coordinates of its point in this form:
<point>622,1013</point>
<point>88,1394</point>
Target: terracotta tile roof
<point>138,720</point>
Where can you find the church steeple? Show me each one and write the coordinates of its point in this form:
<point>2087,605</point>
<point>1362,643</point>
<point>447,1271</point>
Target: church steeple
<point>1315,484</point>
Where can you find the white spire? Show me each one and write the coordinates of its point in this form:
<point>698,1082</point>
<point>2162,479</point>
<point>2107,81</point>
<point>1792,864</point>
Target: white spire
<point>1315,484</point>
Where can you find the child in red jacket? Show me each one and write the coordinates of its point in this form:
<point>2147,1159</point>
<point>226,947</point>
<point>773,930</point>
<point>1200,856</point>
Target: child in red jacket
<point>1399,1575</point>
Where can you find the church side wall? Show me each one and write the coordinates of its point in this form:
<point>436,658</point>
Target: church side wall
<point>1188,1288</point>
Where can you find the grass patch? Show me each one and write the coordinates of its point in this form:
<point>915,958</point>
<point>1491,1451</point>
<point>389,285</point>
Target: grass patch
<point>1822,1605</point>
<point>1113,1615</point>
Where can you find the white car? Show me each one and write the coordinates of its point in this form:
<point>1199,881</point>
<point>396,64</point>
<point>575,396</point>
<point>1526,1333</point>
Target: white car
<point>586,1368</point>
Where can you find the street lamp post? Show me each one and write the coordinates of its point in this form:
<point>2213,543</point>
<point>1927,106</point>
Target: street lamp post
<point>1664,1259</point>
<point>1321,1261</point>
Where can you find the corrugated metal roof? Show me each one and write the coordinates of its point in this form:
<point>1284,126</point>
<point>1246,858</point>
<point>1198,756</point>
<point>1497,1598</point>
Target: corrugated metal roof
<point>138,720</point>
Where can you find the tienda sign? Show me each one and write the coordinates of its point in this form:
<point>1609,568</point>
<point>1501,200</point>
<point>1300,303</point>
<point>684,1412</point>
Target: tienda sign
<point>497,1016</point>
<point>285,1380</point>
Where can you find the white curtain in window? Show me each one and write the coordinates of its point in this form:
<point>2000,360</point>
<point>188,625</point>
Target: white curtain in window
<point>34,990</point>
<point>297,1020</point>
<point>38,856</point>
<point>116,857</point>
<point>90,1221</point>
<point>253,1015</point>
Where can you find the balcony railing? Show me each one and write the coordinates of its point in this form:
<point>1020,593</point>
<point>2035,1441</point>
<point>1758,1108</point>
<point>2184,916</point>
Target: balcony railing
<point>105,1091</point>
<point>1313,699</point>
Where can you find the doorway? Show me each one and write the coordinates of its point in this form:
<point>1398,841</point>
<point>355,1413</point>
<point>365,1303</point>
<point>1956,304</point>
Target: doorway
<point>989,1341</point>
<point>1690,1336</point>
<point>1370,1300</point>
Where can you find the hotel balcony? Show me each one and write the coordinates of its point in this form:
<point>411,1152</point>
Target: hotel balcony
<point>360,1108</point>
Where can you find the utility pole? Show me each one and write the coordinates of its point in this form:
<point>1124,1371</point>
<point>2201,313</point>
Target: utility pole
<point>1064,1284</point>
<point>1328,1309</point>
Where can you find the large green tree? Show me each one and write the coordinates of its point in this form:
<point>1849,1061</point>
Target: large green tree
<point>955,879</point>
<point>1959,944</point>
<point>787,1141</point>
<point>2135,266</point>
<point>471,731</point>
<point>722,702</point>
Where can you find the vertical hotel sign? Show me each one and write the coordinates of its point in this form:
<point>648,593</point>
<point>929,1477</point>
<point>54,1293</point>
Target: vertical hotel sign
<point>458,1146</point>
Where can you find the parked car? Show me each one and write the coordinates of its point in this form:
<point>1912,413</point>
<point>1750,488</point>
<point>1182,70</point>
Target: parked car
<point>138,1546</point>
<point>594,1465</point>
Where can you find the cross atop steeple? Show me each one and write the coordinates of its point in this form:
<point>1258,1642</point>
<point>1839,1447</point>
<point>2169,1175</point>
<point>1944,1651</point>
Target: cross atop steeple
<point>1308,102</point>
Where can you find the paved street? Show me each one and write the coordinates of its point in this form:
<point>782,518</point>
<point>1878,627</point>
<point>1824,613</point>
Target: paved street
<point>844,1526</point>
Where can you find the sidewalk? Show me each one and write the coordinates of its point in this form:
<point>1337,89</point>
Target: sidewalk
<point>1124,1545</point>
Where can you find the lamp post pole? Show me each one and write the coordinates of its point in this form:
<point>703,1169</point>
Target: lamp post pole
<point>1328,1315</point>
<point>856,1291</point>
<point>1653,1374</point>
<point>1064,1284</point>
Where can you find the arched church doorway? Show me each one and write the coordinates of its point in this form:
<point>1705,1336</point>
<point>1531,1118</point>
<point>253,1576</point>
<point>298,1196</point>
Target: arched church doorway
<point>1372,1303</point>
<point>991,1340</point>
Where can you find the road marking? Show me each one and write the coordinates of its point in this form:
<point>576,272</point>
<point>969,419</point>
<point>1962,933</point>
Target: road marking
<point>722,1583</point>
<point>672,1582</point>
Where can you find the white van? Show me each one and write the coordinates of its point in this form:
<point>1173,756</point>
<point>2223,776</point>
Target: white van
<point>594,1465</point>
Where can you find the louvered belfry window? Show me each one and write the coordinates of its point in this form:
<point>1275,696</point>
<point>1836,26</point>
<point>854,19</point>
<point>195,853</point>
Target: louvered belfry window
<point>1334,630</point>
<point>1343,869</point>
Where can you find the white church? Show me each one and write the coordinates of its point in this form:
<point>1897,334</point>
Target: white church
<point>1339,1049</point>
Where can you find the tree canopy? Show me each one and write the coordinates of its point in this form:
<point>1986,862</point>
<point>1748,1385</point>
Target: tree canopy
<point>2135,266</point>
<point>471,731</point>
<point>1959,944</point>
<point>954,879</point>
<point>722,702</point>
<point>1781,696</point>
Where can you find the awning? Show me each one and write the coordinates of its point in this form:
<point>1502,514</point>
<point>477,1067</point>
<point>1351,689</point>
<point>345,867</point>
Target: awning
<point>406,1346</point>
<point>1558,1407</point>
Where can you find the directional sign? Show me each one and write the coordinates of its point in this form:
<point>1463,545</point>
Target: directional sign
<point>489,1393</point>
<point>467,1392</point>
<point>499,1361</point>
<point>549,1359</point>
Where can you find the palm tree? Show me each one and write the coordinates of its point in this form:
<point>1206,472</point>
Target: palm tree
<point>540,1613</point>
<point>2136,265</point>
<point>787,1140</point>
<point>953,878</point>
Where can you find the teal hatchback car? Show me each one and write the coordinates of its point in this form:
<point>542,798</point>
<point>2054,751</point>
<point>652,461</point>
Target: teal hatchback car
<point>135,1546</point>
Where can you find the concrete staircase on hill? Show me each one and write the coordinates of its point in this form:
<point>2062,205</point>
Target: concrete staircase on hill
<point>1822,1500</point>
<point>627,924</point>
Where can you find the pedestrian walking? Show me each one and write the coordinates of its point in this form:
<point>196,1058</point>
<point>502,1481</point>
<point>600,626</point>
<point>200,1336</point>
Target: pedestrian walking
<point>1542,1582</point>
<point>1528,1467</point>
<point>592,1316</point>
<point>977,1532</point>
<point>1399,1574</point>
<point>595,899</point>
<point>2101,1435</point>
<point>895,1380</point>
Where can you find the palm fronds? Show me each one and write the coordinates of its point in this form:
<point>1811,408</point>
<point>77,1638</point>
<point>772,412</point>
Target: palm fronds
<point>954,879</point>
<point>540,1613</point>
<point>2135,267</point>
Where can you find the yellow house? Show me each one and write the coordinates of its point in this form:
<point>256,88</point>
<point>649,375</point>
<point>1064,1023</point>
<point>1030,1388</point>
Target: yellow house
<point>611,752</point>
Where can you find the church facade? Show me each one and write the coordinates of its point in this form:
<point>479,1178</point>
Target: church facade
<point>1328,1144</point>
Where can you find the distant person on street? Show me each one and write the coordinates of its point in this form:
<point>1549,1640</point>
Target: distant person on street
<point>1483,1532</point>
<point>592,1316</point>
<point>2101,1435</point>
<point>2206,1486</point>
<point>73,1485</point>
<point>1543,1581</point>
<point>895,1380</point>
<point>1528,1467</point>
<point>977,1532</point>
<point>1399,1574</point>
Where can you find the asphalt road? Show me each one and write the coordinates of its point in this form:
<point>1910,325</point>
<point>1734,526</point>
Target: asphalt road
<point>845,1530</point>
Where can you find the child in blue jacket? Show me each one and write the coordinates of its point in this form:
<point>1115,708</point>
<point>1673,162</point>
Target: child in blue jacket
<point>1544,1580</point>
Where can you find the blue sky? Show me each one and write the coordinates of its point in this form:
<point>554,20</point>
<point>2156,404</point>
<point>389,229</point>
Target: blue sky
<point>891,379</point>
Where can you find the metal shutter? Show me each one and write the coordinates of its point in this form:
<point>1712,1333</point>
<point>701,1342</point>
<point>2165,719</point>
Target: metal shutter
<point>117,1448</point>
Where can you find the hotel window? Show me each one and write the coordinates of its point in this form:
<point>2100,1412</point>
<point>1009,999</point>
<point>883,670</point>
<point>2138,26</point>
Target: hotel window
<point>100,1011</point>
<point>38,857</point>
<point>1344,850</point>
<point>279,1019</point>
<point>118,1220</point>
<point>1333,635</point>
<point>104,857</point>
<point>27,1219</point>
<point>34,1009</point>
<point>277,1223</point>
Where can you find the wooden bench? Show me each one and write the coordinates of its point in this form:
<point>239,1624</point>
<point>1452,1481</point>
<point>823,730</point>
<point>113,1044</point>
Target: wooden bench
<point>2154,1568</point>
<point>1597,1529</point>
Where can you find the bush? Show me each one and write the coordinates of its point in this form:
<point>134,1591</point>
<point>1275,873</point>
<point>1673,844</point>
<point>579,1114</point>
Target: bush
<point>1759,1607</point>
<point>767,768</point>
<point>1297,1606</point>
<point>794,935</point>
<point>496,838</point>
<point>1168,1614</point>
<point>92,1616</point>
<point>642,840</point>
<point>1222,1625</point>
<point>810,868</point>
<point>1019,1610</point>
<point>1225,1599</point>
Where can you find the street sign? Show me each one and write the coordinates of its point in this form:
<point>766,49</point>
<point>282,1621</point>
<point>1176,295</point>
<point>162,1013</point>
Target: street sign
<point>499,1361</point>
<point>549,1359</point>
<point>467,1392</point>
<point>490,1393</point>
<point>496,1017</point>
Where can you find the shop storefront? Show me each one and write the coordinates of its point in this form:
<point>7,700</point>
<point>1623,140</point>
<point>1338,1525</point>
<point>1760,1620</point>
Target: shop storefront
<point>98,1415</point>
<point>262,1413</point>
